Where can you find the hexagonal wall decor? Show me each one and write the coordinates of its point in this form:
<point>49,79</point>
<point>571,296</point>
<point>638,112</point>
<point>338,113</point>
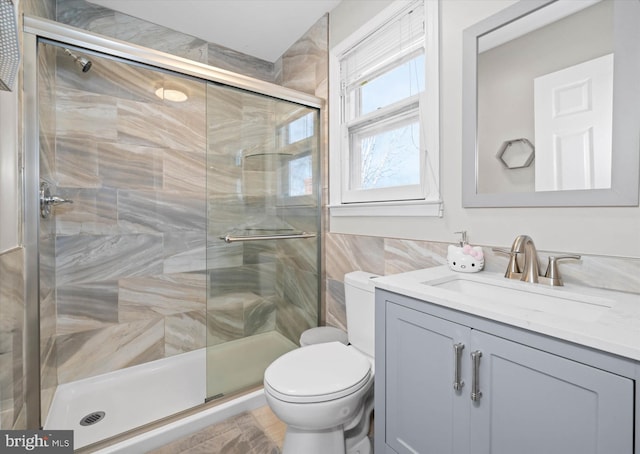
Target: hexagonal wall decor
<point>516,153</point>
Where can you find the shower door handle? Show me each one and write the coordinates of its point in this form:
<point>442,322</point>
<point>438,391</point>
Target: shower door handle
<point>47,200</point>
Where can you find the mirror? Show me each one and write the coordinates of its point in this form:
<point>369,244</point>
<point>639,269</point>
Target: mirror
<point>551,105</point>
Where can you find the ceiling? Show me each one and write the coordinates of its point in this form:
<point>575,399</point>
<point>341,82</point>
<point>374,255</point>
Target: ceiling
<point>262,28</point>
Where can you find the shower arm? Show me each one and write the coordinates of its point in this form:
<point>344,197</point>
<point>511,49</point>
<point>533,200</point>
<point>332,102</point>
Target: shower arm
<point>233,238</point>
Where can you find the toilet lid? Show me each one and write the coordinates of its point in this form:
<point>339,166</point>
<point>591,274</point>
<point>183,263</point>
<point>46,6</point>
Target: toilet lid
<point>317,373</point>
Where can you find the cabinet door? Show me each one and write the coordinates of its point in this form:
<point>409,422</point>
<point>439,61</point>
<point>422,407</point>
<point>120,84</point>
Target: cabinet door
<point>534,402</point>
<point>424,414</point>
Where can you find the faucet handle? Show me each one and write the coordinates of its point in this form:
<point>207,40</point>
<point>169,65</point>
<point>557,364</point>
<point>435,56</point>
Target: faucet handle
<point>552,273</point>
<point>513,269</point>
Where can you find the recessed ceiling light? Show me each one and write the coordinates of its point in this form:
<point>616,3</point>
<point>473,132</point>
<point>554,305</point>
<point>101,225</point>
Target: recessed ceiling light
<point>169,94</point>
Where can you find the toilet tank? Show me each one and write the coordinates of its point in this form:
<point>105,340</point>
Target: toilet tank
<point>359,295</point>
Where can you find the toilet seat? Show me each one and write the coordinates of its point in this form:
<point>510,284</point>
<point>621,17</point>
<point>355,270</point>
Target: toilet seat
<point>317,373</point>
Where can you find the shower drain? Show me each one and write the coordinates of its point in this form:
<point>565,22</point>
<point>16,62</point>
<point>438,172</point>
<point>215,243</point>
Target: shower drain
<point>92,418</point>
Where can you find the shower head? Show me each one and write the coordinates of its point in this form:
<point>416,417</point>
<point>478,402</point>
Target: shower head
<point>83,63</point>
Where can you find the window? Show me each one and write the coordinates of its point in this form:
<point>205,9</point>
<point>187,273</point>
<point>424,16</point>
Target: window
<point>384,144</point>
<point>297,140</point>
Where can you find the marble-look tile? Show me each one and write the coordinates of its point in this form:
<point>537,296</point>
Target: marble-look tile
<point>305,63</point>
<point>158,125</point>
<point>48,373</point>
<point>256,252</point>
<point>225,255</point>
<point>184,171</point>
<point>335,304</point>
<point>86,116</point>
<point>236,315</point>
<point>301,217</point>
<point>300,288</point>
<point>291,321</point>
<point>140,123</point>
<point>224,174</point>
<point>90,258</point>
<point>155,211</point>
<point>90,353</point>
<point>611,273</point>
<point>93,303</point>
<point>98,19</point>
<point>39,8</point>
<point>189,441</point>
<point>126,166</point>
<point>259,316</point>
<point>184,126</point>
<point>147,34</point>
<point>259,279</point>
<point>47,109</point>
<point>77,163</point>
<point>93,212</point>
<point>93,248</point>
<point>6,389</point>
<point>240,434</point>
<point>231,60</point>
<point>185,252</point>
<point>147,297</point>
<point>11,336</point>
<point>102,79</point>
<point>408,255</point>
<point>346,253</point>
<point>80,13</point>
<point>269,422</point>
<point>225,320</point>
<point>300,253</point>
<point>184,332</point>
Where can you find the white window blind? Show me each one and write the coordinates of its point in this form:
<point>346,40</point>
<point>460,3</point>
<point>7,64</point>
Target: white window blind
<point>402,36</point>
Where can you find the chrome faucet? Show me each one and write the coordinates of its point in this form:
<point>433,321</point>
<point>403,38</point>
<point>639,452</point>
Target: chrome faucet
<point>523,244</point>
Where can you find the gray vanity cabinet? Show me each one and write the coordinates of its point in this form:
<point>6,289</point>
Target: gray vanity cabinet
<point>526,401</point>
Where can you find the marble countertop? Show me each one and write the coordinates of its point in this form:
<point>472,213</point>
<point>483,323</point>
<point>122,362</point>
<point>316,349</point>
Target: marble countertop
<point>609,321</point>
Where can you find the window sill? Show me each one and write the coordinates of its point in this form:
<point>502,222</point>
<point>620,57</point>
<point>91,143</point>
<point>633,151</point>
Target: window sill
<point>399,208</point>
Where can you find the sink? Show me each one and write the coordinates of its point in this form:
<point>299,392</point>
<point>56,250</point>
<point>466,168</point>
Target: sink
<point>521,295</point>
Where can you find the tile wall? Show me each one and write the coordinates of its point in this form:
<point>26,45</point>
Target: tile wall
<point>12,409</point>
<point>130,251</point>
<point>385,256</point>
<point>123,268</point>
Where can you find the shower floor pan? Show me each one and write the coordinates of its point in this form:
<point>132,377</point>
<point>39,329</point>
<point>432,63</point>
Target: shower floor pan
<point>141,394</point>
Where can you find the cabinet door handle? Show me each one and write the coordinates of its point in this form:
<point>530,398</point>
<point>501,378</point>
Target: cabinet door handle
<point>457,359</point>
<point>476,394</point>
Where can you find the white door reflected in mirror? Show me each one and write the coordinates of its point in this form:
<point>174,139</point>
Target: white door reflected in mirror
<point>573,126</point>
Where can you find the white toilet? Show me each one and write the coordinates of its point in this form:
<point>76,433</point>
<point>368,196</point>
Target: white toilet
<point>324,392</point>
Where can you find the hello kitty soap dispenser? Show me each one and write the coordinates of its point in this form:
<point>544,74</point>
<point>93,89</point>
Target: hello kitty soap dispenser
<point>465,258</point>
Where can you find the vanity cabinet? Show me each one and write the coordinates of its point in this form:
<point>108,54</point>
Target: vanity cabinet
<point>446,384</point>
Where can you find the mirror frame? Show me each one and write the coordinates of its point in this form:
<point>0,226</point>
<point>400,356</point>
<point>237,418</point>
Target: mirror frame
<point>625,168</point>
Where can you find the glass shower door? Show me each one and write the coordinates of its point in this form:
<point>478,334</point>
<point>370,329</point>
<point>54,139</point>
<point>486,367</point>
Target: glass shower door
<point>262,233</point>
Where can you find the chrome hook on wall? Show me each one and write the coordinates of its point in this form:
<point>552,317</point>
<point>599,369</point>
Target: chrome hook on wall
<point>47,200</point>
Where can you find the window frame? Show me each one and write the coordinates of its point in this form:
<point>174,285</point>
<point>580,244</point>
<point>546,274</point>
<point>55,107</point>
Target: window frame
<point>295,150</point>
<point>422,199</point>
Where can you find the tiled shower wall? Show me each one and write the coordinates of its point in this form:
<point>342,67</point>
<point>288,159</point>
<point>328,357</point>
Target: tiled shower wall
<point>385,256</point>
<point>130,251</point>
<point>303,67</point>
<point>153,208</point>
<point>266,284</point>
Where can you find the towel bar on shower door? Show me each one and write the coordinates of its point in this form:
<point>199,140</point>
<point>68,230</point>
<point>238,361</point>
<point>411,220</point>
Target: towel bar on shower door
<point>285,236</point>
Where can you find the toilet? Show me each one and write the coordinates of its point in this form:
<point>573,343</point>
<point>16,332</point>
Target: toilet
<point>324,391</point>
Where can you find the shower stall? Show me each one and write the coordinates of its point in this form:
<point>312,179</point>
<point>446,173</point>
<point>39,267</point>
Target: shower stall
<point>175,213</point>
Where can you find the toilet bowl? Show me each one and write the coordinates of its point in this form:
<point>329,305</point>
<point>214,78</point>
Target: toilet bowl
<point>324,392</point>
